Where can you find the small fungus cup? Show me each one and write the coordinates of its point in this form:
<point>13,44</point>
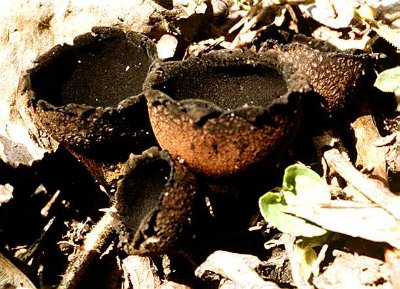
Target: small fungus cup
<point>155,202</point>
<point>335,77</point>
<point>88,96</point>
<point>226,110</point>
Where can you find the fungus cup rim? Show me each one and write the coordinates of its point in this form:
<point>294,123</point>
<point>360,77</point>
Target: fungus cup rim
<point>335,77</point>
<point>98,33</point>
<point>178,189</point>
<point>216,141</point>
<point>268,60</point>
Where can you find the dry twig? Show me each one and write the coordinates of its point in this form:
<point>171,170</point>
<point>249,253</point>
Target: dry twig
<point>95,243</point>
<point>374,191</point>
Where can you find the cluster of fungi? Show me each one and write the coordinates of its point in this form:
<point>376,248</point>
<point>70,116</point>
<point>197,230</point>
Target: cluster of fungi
<point>175,125</point>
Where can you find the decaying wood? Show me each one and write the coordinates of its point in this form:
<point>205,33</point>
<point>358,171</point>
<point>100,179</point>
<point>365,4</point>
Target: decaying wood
<point>355,272</point>
<point>374,191</point>
<point>369,156</point>
<point>12,277</point>
<point>95,243</point>
<point>239,268</point>
<point>139,272</point>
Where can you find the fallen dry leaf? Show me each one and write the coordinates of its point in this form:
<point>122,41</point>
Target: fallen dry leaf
<point>354,219</point>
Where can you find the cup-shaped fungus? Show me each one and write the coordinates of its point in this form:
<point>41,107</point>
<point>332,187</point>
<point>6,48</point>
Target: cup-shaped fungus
<point>226,110</point>
<point>334,76</point>
<point>88,96</point>
<point>155,202</point>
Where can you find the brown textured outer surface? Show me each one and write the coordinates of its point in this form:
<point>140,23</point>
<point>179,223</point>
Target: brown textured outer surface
<point>85,128</point>
<point>93,130</point>
<point>155,219</point>
<point>222,146</point>
<point>332,75</point>
<point>174,214</point>
<point>218,142</point>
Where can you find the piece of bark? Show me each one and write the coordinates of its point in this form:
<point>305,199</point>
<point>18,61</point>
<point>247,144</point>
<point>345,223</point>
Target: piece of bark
<point>6,193</point>
<point>12,277</point>
<point>239,268</point>
<point>370,157</point>
<point>95,243</point>
<point>140,272</point>
<point>392,258</point>
<point>29,29</point>
<point>350,271</point>
<point>173,285</point>
<point>373,190</point>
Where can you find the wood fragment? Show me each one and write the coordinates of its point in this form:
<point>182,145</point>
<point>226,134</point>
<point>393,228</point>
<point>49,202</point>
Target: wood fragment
<point>369,156</point>
<point>12,277</point>
<point>239,268</point>
<point>95,243</point>
<point>173,285</point>
<point>45,211</point>
<point>354,271</point>
<point>374,191</point>
<point>140,272</point>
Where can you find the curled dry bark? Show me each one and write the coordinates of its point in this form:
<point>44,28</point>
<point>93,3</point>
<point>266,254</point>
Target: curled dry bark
<point>238,268</point>
<point>372,190</point>
<point>369,156</point>
<point>139,273</point>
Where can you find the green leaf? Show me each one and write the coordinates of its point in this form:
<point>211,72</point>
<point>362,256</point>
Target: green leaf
<point>389,80</point>
<point>272,206</point>
<point>301,185</point>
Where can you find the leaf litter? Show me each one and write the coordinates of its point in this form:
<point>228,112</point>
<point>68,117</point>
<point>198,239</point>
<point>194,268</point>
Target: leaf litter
<point>313,219</point>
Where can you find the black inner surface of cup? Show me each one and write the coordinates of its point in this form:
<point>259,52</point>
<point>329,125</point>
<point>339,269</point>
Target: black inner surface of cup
<point>100,73</point>
<point>228,87</point>
<point>141,191</point>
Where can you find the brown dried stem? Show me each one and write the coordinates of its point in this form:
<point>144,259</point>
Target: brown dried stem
<point>95,243</point>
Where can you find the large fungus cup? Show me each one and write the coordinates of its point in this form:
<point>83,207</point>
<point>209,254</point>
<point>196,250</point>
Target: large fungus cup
<point>88,96</point>
<point>155,202</point>
<point>225,111</point>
